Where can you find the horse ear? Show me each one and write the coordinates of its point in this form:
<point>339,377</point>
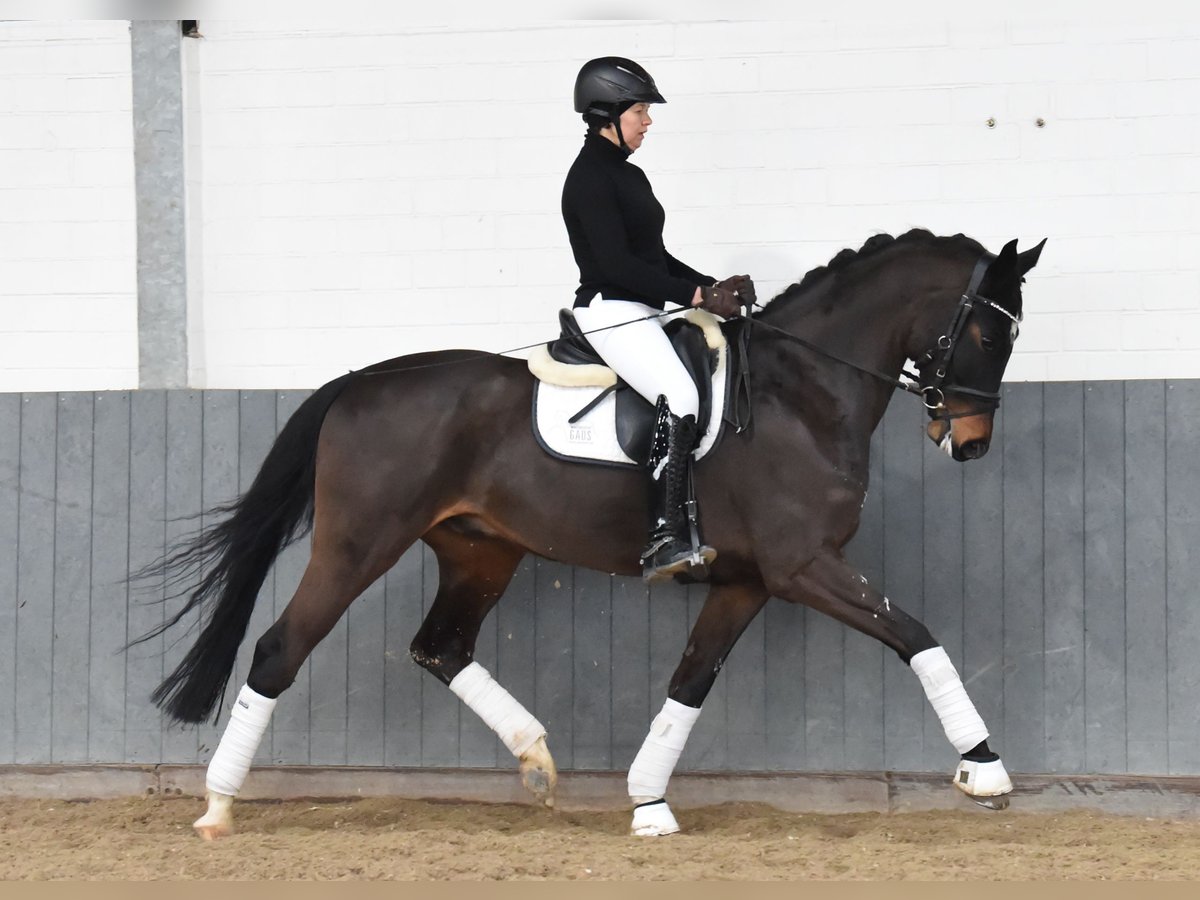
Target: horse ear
<point>1008,256</point>
<point>1029,258</point>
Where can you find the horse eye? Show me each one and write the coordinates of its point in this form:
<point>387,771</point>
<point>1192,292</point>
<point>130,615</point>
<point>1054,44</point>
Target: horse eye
<point>989,344</point>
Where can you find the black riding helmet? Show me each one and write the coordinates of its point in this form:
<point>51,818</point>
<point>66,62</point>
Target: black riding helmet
<point>609,85</point>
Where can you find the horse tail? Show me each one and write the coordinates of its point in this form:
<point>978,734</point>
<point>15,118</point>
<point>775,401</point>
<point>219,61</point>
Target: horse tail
<point>232,558</point>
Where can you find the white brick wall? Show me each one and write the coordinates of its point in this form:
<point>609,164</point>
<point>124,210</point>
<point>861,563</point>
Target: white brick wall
<point>68,279</point>
<point>359,192</point>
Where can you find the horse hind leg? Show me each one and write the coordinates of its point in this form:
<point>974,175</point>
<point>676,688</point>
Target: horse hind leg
<point>473,571</point>
<point>331,582</point>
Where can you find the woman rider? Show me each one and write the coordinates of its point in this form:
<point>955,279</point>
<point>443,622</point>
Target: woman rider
<point>626,276</point>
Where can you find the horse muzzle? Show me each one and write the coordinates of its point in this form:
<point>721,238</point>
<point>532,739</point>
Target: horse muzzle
<point>962,439</point>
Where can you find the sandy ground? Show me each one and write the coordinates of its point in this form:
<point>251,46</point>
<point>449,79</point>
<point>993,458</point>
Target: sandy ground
<point>152,838</point>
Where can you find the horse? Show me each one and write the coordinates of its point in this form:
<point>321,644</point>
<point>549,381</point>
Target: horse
<point>438,447</point>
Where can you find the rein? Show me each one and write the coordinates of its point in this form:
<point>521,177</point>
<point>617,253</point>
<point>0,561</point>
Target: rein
<point>933,390</point>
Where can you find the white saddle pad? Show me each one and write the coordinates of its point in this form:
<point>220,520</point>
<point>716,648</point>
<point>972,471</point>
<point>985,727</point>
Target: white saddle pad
<point>594,437</point>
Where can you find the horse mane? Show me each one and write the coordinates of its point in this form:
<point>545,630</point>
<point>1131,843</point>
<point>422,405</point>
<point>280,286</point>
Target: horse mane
<point>871,247</point>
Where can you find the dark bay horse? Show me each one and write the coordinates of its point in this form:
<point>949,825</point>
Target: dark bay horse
<point>438,447</point>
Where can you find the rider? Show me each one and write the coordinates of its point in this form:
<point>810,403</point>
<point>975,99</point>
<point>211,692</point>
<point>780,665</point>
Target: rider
<point>615,225</point>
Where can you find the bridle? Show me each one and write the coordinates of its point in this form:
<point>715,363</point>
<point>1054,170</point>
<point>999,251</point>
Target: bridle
<point>933,387</point>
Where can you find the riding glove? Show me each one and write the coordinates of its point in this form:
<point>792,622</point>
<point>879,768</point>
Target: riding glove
<point>720,301</point>
<point>742,285</point>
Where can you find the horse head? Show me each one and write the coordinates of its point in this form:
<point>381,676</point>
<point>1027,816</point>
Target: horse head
<point>960,374</point>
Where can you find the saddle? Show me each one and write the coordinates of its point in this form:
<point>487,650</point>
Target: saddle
<point>712,353</point>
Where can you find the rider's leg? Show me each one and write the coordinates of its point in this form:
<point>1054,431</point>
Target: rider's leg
<point>638,350</point>
<point>642,355</point>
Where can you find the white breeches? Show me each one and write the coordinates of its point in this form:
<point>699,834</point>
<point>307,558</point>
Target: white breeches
<point>639,351</point>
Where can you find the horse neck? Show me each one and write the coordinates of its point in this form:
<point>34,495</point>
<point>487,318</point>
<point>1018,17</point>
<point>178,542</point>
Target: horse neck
<point>869,321</point>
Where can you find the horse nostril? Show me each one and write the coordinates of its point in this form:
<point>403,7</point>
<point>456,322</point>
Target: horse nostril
<point>973,449</point>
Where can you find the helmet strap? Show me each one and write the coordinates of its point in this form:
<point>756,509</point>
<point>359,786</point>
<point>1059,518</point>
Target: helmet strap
<point>615,118</point>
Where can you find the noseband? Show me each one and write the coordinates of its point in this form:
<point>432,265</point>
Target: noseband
<point>933,388</point>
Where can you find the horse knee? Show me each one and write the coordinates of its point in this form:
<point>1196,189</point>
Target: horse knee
<point>271,672</point>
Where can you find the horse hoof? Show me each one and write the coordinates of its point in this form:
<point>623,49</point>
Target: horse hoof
<point>538,772</point>
<point>653,820</point>
<point>996,803</point>
<point>217,821</point>
<point>987,783</point>
<point>212,832</point>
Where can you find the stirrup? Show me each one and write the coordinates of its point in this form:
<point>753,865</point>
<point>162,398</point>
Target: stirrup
<point>683,559</point>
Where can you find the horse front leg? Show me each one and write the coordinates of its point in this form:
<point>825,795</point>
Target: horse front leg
<point>727,611</point>
<point>830,585</point>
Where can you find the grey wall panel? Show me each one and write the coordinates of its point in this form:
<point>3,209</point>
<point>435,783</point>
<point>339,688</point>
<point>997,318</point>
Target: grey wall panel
<point>1063,525</point>
<point>591,712</point>
<point>1022,551</point>
<point>1183,576</point>
<point>144,663</point>
<point>1145,575</point>
<point>109,601</point>
<point>629,682</point>
<point>366,637</point>
<point>1104,576</point>
<point>72,578</point>
<point>1059,572</point>
<point>35,579</point>
<point>184,502</point>
<point>784,693</point>
<point>10,464</point>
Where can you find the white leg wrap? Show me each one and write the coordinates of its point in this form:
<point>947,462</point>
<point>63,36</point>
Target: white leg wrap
<point>652,768</point>
<point>247,722</point>
<point>514,724</point>
<point>949,699</point>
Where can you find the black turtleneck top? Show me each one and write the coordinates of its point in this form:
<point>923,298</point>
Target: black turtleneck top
<point>615,225</point>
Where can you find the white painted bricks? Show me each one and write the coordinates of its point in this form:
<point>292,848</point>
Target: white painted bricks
<point>67,234</point>
<point>358,194</point>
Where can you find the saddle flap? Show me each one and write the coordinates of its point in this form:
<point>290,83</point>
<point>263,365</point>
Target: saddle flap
<point>635,416</point>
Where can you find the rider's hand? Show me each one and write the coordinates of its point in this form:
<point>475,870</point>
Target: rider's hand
<point>743,286</point>
<point>719,301</point>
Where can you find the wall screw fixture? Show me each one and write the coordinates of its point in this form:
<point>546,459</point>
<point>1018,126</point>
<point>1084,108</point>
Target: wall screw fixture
<point>991,122</point>
<point>1040,122</point>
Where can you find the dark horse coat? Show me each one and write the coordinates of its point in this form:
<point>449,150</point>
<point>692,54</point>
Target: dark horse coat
<point>438,447</point>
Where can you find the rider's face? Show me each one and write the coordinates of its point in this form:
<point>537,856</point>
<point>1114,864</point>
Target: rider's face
<point>634,123</point>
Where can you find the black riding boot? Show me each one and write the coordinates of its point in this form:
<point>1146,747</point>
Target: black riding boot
<point>669,551</point>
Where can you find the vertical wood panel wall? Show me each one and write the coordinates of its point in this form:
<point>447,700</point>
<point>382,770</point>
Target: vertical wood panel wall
<point>1060,572</point>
